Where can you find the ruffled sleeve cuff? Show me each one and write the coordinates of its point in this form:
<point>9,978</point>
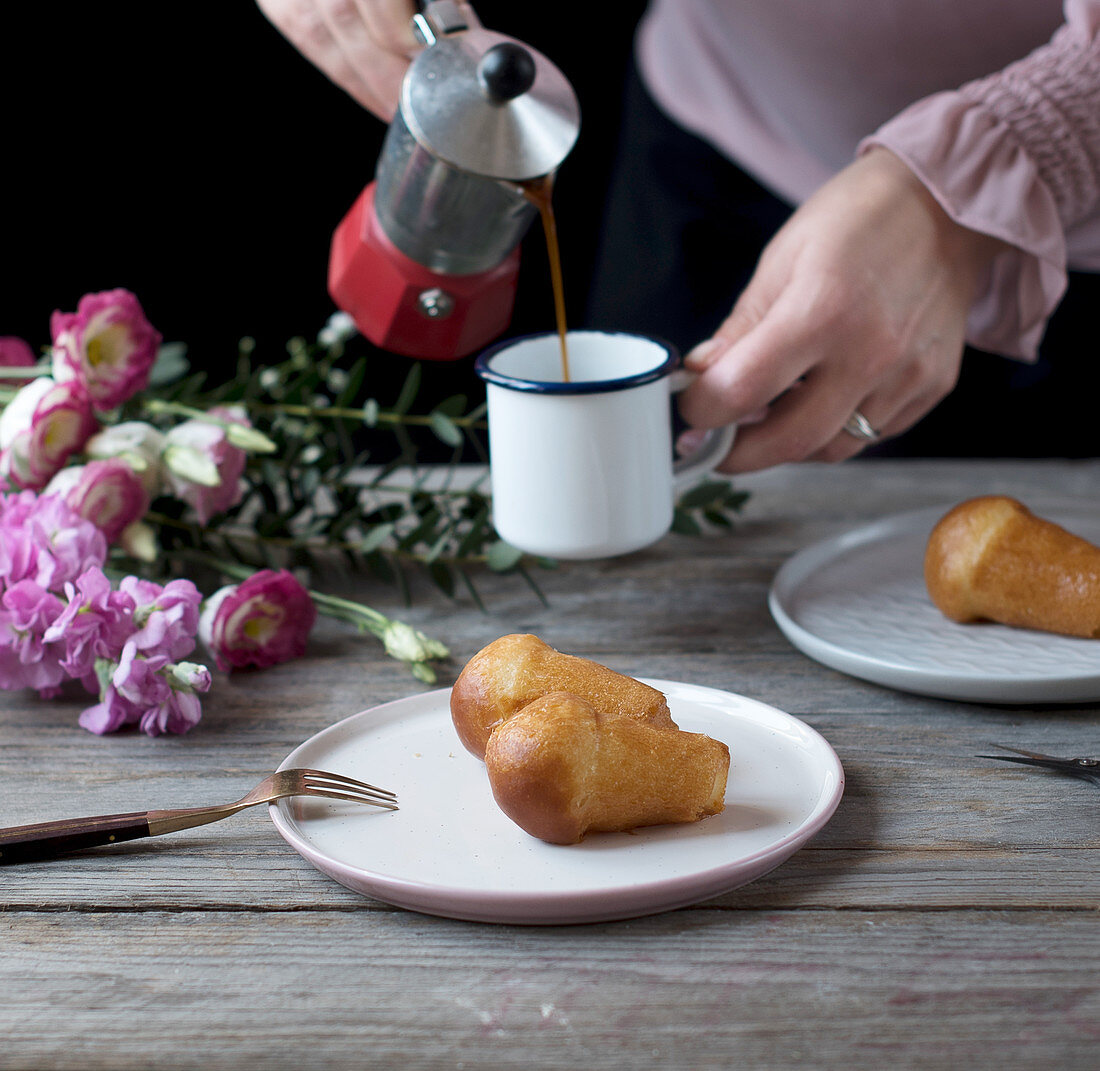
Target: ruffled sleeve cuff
<point>985,181</point>
<point>1017,156</point>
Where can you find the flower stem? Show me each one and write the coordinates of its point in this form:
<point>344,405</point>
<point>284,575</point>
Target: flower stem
<point>335,412</point>
<point>356,613</point>
<point>401,641</point>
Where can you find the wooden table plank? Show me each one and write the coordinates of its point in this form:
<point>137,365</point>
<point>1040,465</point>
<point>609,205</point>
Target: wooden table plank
<point>692,989</point>
<point>255,873</point>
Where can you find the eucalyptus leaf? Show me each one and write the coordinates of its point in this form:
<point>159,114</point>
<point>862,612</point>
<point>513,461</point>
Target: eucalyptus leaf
<point>454,406</point>
<point>710,493</point>
<point>350,390</point>
<point>683,523</point>
<point>171,364</point>
<point>376,537</point>
<point>438,547</point>
<point>475,535</point>
<point>472,589</point>
<point>501,556</point>
<point>445,428</point>
<point>444,577</point>
<point>409,390</point>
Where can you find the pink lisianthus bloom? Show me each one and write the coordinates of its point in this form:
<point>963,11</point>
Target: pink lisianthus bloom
<point>14,353</point>
<point>262,621</point>
<point>44,540</point>
<point>203,467</point>
<point>108,493</point>
<point>107,345</point>
<point>27,660</point>
<point>41,428</point>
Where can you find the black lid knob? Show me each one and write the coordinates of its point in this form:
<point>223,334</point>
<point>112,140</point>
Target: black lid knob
<point>506,71</point>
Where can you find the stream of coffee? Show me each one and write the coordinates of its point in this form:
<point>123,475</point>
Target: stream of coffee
<point>540,192</point>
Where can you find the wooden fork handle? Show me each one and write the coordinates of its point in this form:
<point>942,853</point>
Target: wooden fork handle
<point>20,844</point>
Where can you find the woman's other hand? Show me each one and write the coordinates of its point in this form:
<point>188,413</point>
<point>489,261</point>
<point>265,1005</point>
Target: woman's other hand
<point>859,303</point>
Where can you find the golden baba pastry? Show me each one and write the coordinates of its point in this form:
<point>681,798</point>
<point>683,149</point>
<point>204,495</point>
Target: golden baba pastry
<point>991,559</point>
<point>572,747</point>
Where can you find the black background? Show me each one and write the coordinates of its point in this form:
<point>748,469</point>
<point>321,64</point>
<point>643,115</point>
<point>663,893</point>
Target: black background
<point>193,156</point>
<point>190,154</point>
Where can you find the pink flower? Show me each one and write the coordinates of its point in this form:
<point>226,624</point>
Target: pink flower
<point>43,540</point>
<point>125,645</point>
<point>40,428</point>
<point>180,709</point>
<point>110,714</point>
<point>203,467</point>
<point>142,681</point>
<point>27,660</point>
<point>157,697</point>
<point>108,493</point>
<point>166,619</point>
<point>260,622</point>
<point>107,345</point>
<point>15,353</point>
<point>138,678</point>
<point>95,624</point>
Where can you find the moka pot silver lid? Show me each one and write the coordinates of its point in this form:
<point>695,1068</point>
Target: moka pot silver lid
<point>490,105</point>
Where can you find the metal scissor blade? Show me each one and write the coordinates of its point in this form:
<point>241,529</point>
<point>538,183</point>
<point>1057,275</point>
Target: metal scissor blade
<point>1084,767</point>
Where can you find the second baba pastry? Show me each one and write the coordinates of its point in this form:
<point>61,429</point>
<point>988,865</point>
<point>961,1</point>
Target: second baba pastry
<point>560,769</point>
<point>991,558</point>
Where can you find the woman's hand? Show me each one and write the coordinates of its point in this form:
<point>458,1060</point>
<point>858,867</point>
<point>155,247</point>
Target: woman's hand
<point>362,45</point>
<point>858,303</point>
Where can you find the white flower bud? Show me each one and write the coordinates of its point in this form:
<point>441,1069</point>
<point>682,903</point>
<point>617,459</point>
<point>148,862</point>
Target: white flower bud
<point>139,540</point>
<point>191,464</point>
<point>248,438</point>
<point>139,444</point>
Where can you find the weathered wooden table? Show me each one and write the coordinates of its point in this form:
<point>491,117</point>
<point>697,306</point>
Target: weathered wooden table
<point>946,916</point>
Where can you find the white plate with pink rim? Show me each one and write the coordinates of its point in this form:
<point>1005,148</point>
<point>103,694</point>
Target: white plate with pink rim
<point>450,850</point>
<point>858,603</point>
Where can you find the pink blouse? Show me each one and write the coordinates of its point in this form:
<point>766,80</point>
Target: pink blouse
<point>994,104</point>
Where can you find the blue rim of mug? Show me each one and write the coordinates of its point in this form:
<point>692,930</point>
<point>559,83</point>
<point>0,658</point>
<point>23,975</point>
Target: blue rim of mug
<point>588,386</point>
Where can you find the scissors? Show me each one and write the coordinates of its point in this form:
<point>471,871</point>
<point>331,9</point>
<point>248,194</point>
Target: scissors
<point>1088,768</point>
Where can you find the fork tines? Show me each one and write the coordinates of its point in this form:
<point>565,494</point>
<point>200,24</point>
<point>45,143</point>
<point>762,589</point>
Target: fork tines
<point>341,787</point>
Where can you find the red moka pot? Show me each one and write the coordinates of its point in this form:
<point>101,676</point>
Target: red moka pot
<point>426,260</point>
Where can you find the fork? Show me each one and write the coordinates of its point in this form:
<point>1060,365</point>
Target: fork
<point>43,839</point>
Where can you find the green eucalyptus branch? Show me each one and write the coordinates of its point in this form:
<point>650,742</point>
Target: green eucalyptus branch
<point>315,490</point>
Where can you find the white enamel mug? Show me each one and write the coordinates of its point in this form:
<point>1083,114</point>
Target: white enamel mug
<point>585,469</point>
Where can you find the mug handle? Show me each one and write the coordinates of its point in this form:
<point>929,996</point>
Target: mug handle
<point>713,448</point>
